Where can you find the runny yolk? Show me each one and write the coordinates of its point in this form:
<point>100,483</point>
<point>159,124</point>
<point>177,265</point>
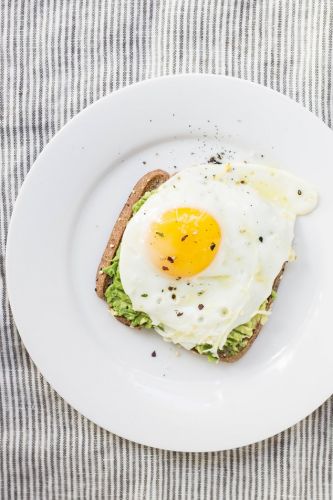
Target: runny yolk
<point>184,241</point>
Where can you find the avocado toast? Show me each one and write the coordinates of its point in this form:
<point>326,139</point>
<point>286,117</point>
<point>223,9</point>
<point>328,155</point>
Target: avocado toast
<point>109,286</point>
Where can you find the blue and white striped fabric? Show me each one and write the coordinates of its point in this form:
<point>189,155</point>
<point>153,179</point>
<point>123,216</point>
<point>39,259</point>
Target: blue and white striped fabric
<point>56,57</point>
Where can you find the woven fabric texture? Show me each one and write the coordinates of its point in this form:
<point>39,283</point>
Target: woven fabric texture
<point>57,57</point>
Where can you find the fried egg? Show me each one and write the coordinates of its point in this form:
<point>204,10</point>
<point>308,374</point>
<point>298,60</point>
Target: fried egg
<point>201,255</point>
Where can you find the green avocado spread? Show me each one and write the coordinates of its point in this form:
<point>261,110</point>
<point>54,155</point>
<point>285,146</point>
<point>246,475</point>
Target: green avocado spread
<point>115,295</point>
<point>121,305</point>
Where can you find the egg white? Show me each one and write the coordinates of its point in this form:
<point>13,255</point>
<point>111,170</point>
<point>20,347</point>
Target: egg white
<point>256,207</point>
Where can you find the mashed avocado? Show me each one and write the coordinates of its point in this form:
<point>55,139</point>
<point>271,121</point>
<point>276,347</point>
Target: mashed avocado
<point>237,338</point>
<point>136,207</point>
<point>121,305</point>
<point>115,295</point>
<point>119,301</point>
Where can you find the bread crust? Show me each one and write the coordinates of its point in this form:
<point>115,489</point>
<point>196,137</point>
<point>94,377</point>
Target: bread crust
<point>148,182</point>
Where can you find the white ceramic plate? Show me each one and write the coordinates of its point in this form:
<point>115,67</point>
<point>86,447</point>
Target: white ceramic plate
<point>62,220</point>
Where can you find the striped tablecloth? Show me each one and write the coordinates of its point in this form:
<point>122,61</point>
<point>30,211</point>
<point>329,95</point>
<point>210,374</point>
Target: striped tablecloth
<point>56,57</point>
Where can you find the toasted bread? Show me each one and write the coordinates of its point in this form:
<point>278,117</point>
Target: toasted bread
<point>148,182</point>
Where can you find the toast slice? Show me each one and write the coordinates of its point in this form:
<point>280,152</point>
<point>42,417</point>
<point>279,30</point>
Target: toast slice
<point>148,182</point>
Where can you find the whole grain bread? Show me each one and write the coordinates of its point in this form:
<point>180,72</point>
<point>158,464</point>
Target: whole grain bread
<point>148,182</point>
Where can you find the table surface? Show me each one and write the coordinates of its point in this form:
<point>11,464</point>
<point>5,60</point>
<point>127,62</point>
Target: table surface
<point>55,59</point>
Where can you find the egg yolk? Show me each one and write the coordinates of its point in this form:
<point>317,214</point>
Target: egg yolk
<point>184,241</point>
